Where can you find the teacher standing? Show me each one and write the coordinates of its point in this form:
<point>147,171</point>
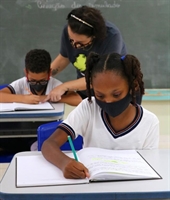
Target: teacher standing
<point>85,31</point>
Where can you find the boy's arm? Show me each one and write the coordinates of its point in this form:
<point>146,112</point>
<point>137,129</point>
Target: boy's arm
<point>7,97</point>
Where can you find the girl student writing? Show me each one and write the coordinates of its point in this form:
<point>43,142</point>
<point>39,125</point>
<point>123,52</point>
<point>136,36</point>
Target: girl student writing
<point>111,119</point>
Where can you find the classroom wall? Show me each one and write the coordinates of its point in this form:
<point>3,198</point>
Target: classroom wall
<point>29,24</point>
<point>161,109</point>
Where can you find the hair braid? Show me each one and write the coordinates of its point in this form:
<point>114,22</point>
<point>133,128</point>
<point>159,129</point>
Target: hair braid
<point>91,61</point>
<point>134,75</point>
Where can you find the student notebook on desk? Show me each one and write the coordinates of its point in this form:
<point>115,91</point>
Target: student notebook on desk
<point>103,165</point>
<point>8,107</point>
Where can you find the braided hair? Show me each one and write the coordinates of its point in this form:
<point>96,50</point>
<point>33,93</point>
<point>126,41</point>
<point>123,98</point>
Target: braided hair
<point>128,67</point>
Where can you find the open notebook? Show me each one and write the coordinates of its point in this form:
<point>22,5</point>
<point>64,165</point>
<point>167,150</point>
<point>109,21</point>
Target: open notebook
<point>8,107</point>
<point>103,165</point>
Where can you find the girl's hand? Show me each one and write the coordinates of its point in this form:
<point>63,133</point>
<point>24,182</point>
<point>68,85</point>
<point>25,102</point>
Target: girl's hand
<point>75,170</point>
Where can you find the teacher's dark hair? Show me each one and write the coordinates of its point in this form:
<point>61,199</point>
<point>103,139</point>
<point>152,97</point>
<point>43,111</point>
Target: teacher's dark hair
<point>92,17</point>
<point>128,67</point>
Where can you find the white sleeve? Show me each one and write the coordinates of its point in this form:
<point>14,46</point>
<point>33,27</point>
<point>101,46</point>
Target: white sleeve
<point>53,82</point>
<point>19,86</point>
<point>77,121</point>
<point>56,82</point>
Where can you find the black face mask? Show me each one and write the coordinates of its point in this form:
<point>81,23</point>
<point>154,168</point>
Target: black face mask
<point>38,87</point>
<point>115,108</point>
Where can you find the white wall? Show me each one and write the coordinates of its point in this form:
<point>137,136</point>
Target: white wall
<point>162,111</point>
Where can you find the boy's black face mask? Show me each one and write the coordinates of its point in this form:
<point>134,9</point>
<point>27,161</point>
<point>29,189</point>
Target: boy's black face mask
<point>37,87</point>
<point>115,108</point>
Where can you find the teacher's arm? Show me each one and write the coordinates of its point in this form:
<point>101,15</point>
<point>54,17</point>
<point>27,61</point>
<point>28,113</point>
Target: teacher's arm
<point>74,85</point>
<point>59,64</point>
<point>71,98</point>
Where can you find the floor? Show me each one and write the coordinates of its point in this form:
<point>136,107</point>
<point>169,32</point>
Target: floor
<point>164,144</point>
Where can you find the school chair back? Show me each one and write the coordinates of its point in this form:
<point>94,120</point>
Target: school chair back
<point>45,130</point>
<point>6,158</point>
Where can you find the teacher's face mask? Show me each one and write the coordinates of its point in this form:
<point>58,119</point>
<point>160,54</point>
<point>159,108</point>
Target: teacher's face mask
<point>115,108</point>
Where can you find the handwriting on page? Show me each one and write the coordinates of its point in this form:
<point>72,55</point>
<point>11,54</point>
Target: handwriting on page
<point>102,163</point>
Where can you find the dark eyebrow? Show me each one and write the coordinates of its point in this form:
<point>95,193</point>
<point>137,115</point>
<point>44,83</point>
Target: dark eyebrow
<point>32,79</point>
<point>73,40</point>
<point>77,41</point>
<point>114,91</point>
<point>98,91</point>
<point>37,80</point>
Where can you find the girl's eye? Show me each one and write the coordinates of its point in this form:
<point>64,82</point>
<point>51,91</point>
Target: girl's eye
<point>99,96</point>
<point>116,95</point>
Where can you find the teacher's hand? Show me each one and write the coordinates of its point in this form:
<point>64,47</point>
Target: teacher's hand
<point>55,94</point>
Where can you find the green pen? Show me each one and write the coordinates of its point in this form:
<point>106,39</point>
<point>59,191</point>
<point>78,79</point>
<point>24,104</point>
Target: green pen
<point>72,148</point>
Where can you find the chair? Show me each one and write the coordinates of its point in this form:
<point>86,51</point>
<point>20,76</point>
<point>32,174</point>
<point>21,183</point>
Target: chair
<point>45,130</point>
<point>6,158</point>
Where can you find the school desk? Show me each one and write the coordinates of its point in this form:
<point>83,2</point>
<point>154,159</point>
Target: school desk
<point>124,190</point>
<point>25,123</point>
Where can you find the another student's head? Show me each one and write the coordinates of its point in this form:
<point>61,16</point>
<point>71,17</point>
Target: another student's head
<point>84,25</point>
<point>114,78</point>
<point>37,68</point>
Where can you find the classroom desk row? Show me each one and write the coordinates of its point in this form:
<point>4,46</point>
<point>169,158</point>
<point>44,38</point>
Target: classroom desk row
<point>121,190</point>
<point>25,123</point>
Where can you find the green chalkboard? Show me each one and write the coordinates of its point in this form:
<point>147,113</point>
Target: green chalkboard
<point>29,24</point>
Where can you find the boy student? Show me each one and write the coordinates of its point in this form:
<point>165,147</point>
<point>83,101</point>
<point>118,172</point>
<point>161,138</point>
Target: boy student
<point>37,83</point>
<point>111,119</point>
<point>32,89</point>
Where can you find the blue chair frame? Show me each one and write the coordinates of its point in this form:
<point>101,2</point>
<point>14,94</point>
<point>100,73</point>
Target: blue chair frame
<point>45,130</point>
<point>6,158</point>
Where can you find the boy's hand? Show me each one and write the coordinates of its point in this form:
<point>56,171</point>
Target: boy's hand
<point>75,170</point>
<point>31,99</point>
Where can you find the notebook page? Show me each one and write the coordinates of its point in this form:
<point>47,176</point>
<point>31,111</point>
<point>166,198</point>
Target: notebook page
<point>116,162</point>
<point>40,106</point>
<point>35,170</point>
<point>6,107</point>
